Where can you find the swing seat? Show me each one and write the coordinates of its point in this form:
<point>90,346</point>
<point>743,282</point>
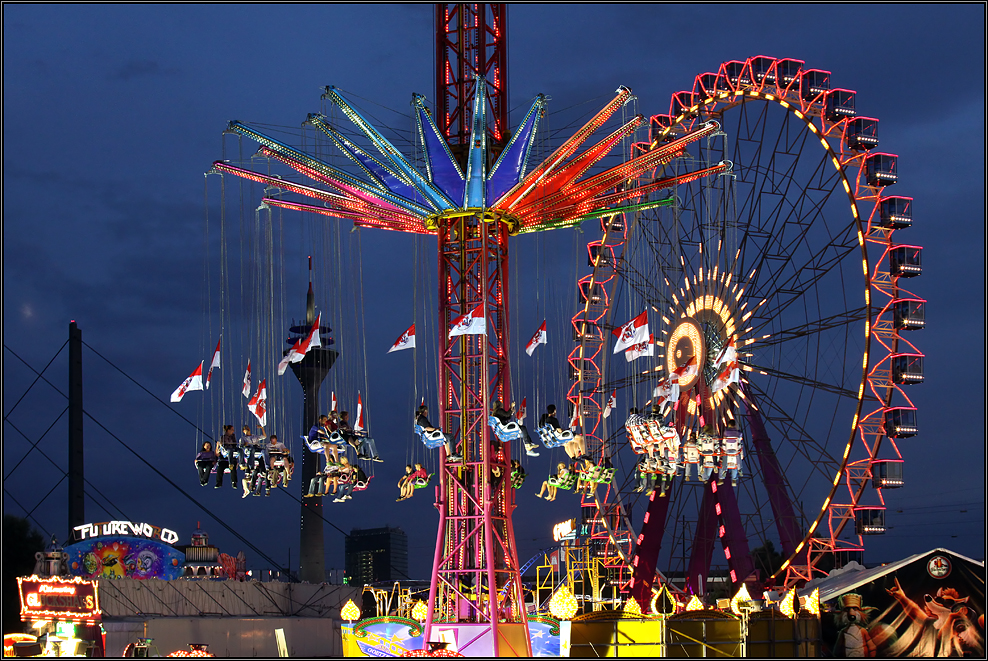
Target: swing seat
<point>432,440</point>
<point>553,438</point>
<point>421,483</point>
<point>600,475</point>
<point>566,482</point>
<point>518,479</point>
<point>637,438</point>
<point>212,471</point>
<point>362,486</point>
<point>505,433</point>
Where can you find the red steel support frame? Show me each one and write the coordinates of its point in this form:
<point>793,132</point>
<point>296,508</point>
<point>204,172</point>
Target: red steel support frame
<point>475,547</point>
<point>471,39</point>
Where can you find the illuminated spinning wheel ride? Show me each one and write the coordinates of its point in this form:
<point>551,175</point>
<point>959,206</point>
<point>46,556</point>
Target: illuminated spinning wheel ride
<point>792,257</point>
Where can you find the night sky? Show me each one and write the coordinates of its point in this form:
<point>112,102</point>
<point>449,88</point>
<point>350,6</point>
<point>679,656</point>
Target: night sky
<point>113,113</point>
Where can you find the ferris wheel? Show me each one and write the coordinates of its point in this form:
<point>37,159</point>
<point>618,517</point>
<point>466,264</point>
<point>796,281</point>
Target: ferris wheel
<point>791,257</point>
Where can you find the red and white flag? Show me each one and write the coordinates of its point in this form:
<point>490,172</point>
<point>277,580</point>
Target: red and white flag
<point>406,341</point>
<point>728,354</point>
<point>666,391</point>
<point>537,339</point>
<point>194,382</point>
<point>301,347</point>
<point>575,420</point>
<point>522,410</point>
<point>258,404</point>
<point>686,371</point>
<point>215,363</point>
<point>471,323</point>
<point>332,401</point>
<point>632,333</point>
<point>728,375</point>
<point>358,425</point>
<point>636,351</point>
<point>611,404</point>
<point>246,388</point>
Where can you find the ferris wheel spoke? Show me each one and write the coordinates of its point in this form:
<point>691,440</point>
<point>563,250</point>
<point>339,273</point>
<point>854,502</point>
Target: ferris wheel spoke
<point>805,381</point>
<point>839,320</point>
<point>772,414</point>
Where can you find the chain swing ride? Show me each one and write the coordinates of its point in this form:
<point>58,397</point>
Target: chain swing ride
<point>728,225</point>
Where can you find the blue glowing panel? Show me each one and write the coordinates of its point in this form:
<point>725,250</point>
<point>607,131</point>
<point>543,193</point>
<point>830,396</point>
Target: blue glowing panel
<point>446,173</point>
<point>510,166</point>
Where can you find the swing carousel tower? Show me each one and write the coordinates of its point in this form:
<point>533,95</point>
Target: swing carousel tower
<point>476,189</point>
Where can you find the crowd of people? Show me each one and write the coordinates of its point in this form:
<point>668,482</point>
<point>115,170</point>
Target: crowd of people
<point>265,465</point>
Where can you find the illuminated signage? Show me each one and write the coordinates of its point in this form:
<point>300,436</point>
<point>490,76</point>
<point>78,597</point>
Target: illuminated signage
<point>129,528</point>
<point>43,598</point>
<point>564,530</point>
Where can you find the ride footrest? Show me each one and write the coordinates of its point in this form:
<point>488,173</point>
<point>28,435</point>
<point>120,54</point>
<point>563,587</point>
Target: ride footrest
<point>567,482</point>
<point>432,440</point>
<point>551,438</point>
<point>504,433</point>
<point>421,483</point>
<point>599,474</point>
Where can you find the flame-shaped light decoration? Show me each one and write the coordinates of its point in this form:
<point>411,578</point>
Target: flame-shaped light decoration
<point>350,612</point>
<point>632,607</point>
<point>813,602</point>
<point>563,604</point>
<point>420,610</point>
<point>787,605</point>
<point>694,604</point>
<point>663,596</point>
<point>742,600</point>
<point>386,191</point>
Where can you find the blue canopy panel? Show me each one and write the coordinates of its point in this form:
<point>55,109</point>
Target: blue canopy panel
<point>388,178</point>
<point>510,166</point>
<point>445,171</point>
<point>477,159</point>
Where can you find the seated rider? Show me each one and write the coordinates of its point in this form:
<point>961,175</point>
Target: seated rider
<point>252,449</point>
<point>365,446</point>
<point>517,474</point>
<point>342,475</point>
<point>317,485</point>
<point>576,448</point>
<point>357,478</point>
<point>422,420</point>
<point>562,472</point>
<point>227,449</point>
<point>279,463</point>
<point>205,461</point>
<point>406,484</point>
<point>319,432</point>
<point>505,416</point>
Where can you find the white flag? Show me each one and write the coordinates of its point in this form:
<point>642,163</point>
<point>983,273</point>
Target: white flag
<point>632,333</point>
<point>406,341</point>
<point>258,404</point>
<point>636,351</point>
<point>246,389</point>
<point>537,339</point>
<point>358,425</point>
<point>728,354</point>
<point>611,404</point>
<point>728,375</point>
<point>194,382</point>
<point>294,355</point>
<point>685,372</point>
<point>471,323</point>
<point>522,410</point>
<point>215,363</point>
<point>666,391</point>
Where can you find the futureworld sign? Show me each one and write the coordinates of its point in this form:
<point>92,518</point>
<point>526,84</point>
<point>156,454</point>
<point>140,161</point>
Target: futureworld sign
<point>126,528</point>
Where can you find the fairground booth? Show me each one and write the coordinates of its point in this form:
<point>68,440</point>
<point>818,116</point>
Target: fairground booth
<point>126,589</point>
<point>927,605</point>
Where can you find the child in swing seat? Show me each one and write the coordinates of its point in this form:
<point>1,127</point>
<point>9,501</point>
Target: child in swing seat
<point>561,472</point>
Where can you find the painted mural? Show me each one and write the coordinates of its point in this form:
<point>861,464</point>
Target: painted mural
<point>124,557</point>
<point>933,607</point>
